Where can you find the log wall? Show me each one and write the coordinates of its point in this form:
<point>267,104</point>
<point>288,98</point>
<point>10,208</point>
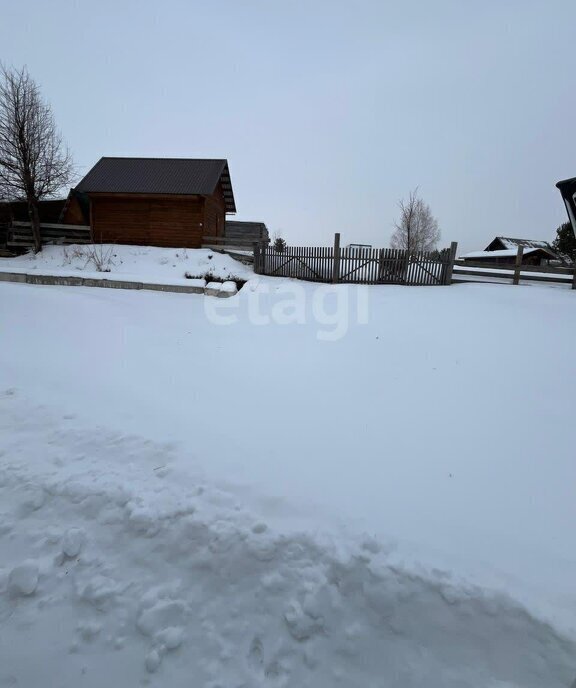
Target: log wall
<point>154,220</point>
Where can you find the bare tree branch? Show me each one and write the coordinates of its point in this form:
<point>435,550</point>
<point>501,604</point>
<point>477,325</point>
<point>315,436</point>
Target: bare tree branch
<point>34,163</point>
<point>417,229</point>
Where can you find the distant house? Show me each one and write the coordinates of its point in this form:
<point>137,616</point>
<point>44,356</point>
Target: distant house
<point>358,248</point>
<point>154,201</point>
<point>503,243</point>
<point>531,256</point>
<point>505,249</point>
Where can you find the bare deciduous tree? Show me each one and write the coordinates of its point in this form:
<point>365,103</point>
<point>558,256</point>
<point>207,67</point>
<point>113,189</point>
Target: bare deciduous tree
<point>34,163</point>
<point>417,229</point>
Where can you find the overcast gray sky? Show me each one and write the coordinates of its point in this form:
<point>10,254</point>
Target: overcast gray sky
<point>328,112</point>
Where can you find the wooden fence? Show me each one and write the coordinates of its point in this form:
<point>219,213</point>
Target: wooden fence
<point>481,271</point>
<point>20,234</point>
<point>357,266</point>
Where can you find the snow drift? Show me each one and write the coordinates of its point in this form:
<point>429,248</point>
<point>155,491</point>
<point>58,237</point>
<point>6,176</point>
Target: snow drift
<point>139,263</point>
<point>117,569</point>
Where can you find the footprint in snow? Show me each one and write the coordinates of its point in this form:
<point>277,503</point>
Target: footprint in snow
<point>256,653</point>
<point>272,670</point>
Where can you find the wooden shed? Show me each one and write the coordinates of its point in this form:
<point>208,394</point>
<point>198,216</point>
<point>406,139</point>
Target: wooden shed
<point>235,230</point>
<point>172,202</point>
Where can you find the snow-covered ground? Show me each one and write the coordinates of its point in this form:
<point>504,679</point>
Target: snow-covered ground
<point>340,486</point>
<point>151,264</point>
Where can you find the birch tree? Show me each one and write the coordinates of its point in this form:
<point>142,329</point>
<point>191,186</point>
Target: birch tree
<point>416,229</point>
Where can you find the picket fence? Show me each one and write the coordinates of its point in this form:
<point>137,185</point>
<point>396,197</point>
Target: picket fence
<point>357,265</point>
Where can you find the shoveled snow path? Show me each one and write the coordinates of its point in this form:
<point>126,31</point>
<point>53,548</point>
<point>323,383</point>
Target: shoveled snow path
<point>151,575</point>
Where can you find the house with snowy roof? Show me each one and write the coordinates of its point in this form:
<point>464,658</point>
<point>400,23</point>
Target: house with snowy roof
<point>505,249</point>
<point>504,243</point>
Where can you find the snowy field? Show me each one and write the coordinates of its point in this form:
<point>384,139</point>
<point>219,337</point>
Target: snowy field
<point>199,492</point>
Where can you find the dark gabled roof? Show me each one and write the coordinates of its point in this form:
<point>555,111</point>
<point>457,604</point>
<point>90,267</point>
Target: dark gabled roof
<point>184,176</point>
<point>566,184</point>
<point>528,243</point>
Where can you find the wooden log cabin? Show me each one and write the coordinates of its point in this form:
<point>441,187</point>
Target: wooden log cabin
<point>172,202</point>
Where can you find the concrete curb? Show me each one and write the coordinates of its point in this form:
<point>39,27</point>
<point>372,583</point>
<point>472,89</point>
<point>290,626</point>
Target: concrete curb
<point>108,284</point>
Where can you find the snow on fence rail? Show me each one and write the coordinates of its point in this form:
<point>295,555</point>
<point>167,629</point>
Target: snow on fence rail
<point>358,266</point>
<point>467,270</point>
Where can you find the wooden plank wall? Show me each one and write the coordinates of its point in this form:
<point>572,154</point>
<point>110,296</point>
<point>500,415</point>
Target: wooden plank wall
<point>73,214</point>
<point>20,234</point>
<point>215,213</point>
<point>148,221</point>
<point>256,232</point>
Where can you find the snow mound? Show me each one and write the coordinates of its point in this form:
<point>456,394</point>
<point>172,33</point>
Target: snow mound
<point>72,542</point>
<point>150,264</point>
<point>23,579</point>
<point>169,580</point>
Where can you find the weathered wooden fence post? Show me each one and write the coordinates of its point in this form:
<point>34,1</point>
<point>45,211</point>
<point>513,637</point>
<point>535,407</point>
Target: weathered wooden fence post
<point>256,249</point>
<point>450,264</point>
<point>381,265</point>
<point>263,266</point>
<point>260,258</point>
<point>518,265</point>
<point>336,263</point>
